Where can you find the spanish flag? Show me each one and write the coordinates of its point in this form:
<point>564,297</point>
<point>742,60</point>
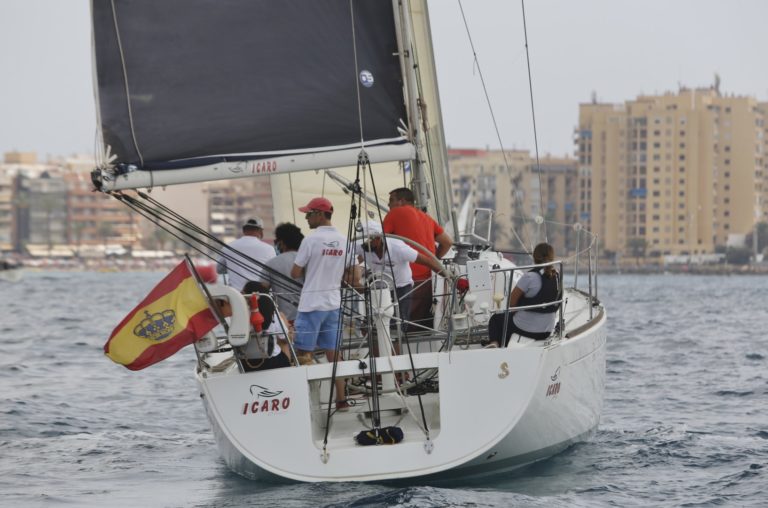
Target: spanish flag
<point>173,315</point>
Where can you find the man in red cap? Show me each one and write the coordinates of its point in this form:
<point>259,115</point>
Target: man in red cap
<point>321,260</point>
<point>404,219</point>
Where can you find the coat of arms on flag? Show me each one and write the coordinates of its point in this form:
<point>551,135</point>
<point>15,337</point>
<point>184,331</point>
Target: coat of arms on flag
<point>173,315</point>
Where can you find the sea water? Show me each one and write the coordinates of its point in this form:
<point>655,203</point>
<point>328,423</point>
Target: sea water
<point>685,421</point>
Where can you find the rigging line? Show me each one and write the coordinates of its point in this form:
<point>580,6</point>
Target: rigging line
<point>150,216</point>
<point>533,113</point>
<point>507,164</point>
<point>357,75</point>
<point>125,81</point>
<point>399,325</point>
<point>485,89</point>
<point>177,222</point>
<point>357,193</point>
<point>290,189</point>
<point>156,219</point>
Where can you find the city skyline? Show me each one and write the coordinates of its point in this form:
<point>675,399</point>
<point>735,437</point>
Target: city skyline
<point>613,49</point>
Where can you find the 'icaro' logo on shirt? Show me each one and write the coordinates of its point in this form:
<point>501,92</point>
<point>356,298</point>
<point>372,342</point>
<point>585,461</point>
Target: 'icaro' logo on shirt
<point>332,249</point>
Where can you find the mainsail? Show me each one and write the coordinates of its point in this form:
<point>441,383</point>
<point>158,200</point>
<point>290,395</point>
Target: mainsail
<point>284,84</point>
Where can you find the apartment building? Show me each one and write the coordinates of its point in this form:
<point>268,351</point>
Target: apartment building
<point>51,209</point>
<point>672,174</point>
<point>518,190</point>
<point>232,203</point>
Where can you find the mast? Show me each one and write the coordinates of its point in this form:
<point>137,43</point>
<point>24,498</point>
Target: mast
<point>430,167</point>
<point>404,27</point>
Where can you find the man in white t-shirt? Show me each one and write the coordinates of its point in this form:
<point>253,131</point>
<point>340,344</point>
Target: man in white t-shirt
<point>321,260</point>
<point>235,261</point>
<point>392,259</point>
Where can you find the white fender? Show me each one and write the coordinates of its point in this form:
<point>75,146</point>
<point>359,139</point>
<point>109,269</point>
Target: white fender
<point>240,325</point>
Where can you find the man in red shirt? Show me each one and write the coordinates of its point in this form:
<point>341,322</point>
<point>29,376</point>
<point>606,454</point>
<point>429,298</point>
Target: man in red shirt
<point>405,220</point>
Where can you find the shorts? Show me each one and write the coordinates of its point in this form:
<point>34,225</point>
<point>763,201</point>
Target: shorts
<point>317,329</point>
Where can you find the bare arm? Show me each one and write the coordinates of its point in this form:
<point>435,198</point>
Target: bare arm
<point>297,271</point>
<point>444,243</point>
<point>429,262</point>
<point>517,293</point>
<point>352,276</point>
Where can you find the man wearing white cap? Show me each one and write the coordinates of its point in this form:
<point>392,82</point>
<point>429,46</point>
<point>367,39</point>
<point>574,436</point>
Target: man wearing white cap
<point>234,259</point>
<point>393,259</point>
<point>321,260</point>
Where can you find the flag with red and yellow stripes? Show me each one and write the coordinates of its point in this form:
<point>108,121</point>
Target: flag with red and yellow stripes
<point>173,315</point>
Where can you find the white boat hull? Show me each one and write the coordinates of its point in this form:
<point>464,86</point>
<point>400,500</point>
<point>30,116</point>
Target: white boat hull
<point>496,409</point>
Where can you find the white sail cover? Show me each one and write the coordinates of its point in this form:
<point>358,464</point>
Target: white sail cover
<point>190,82</point>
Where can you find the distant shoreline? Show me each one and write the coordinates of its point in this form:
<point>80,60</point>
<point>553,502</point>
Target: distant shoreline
<point>761,269</point>
<point>166,264</point>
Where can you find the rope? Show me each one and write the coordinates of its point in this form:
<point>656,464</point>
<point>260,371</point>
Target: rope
<point>290,188</point>
<point>507,164</point>
<point>533,113</point>
<point>125,81</point>
<point>357,75</point>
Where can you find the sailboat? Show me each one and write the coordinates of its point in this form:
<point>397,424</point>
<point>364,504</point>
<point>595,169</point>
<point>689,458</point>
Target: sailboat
<point>199,91</point>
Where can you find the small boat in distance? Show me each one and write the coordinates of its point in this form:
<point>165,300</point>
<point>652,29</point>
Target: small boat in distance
<point>10,271</point>
<point>242,89</point>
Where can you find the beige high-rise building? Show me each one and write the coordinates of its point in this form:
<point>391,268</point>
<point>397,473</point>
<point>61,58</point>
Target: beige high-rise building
<point>673,174</point>
<point>509,184</point>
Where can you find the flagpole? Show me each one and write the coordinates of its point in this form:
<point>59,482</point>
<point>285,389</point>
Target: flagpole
<point>208,296</point>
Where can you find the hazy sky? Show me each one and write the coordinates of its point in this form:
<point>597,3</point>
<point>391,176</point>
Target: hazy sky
<point>615,48</point>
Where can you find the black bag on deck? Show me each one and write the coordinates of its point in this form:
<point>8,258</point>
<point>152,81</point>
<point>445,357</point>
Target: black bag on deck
<point>387,435</point>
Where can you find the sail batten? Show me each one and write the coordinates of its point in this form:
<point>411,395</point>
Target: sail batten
<point>265,77</point>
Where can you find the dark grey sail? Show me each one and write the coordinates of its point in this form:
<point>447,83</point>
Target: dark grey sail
<point>195,81</point>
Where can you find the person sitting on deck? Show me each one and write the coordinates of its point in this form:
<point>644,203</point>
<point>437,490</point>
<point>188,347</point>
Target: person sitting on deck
<point>538,286</point>
<point>288,238</point>
<point>269,348</point>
